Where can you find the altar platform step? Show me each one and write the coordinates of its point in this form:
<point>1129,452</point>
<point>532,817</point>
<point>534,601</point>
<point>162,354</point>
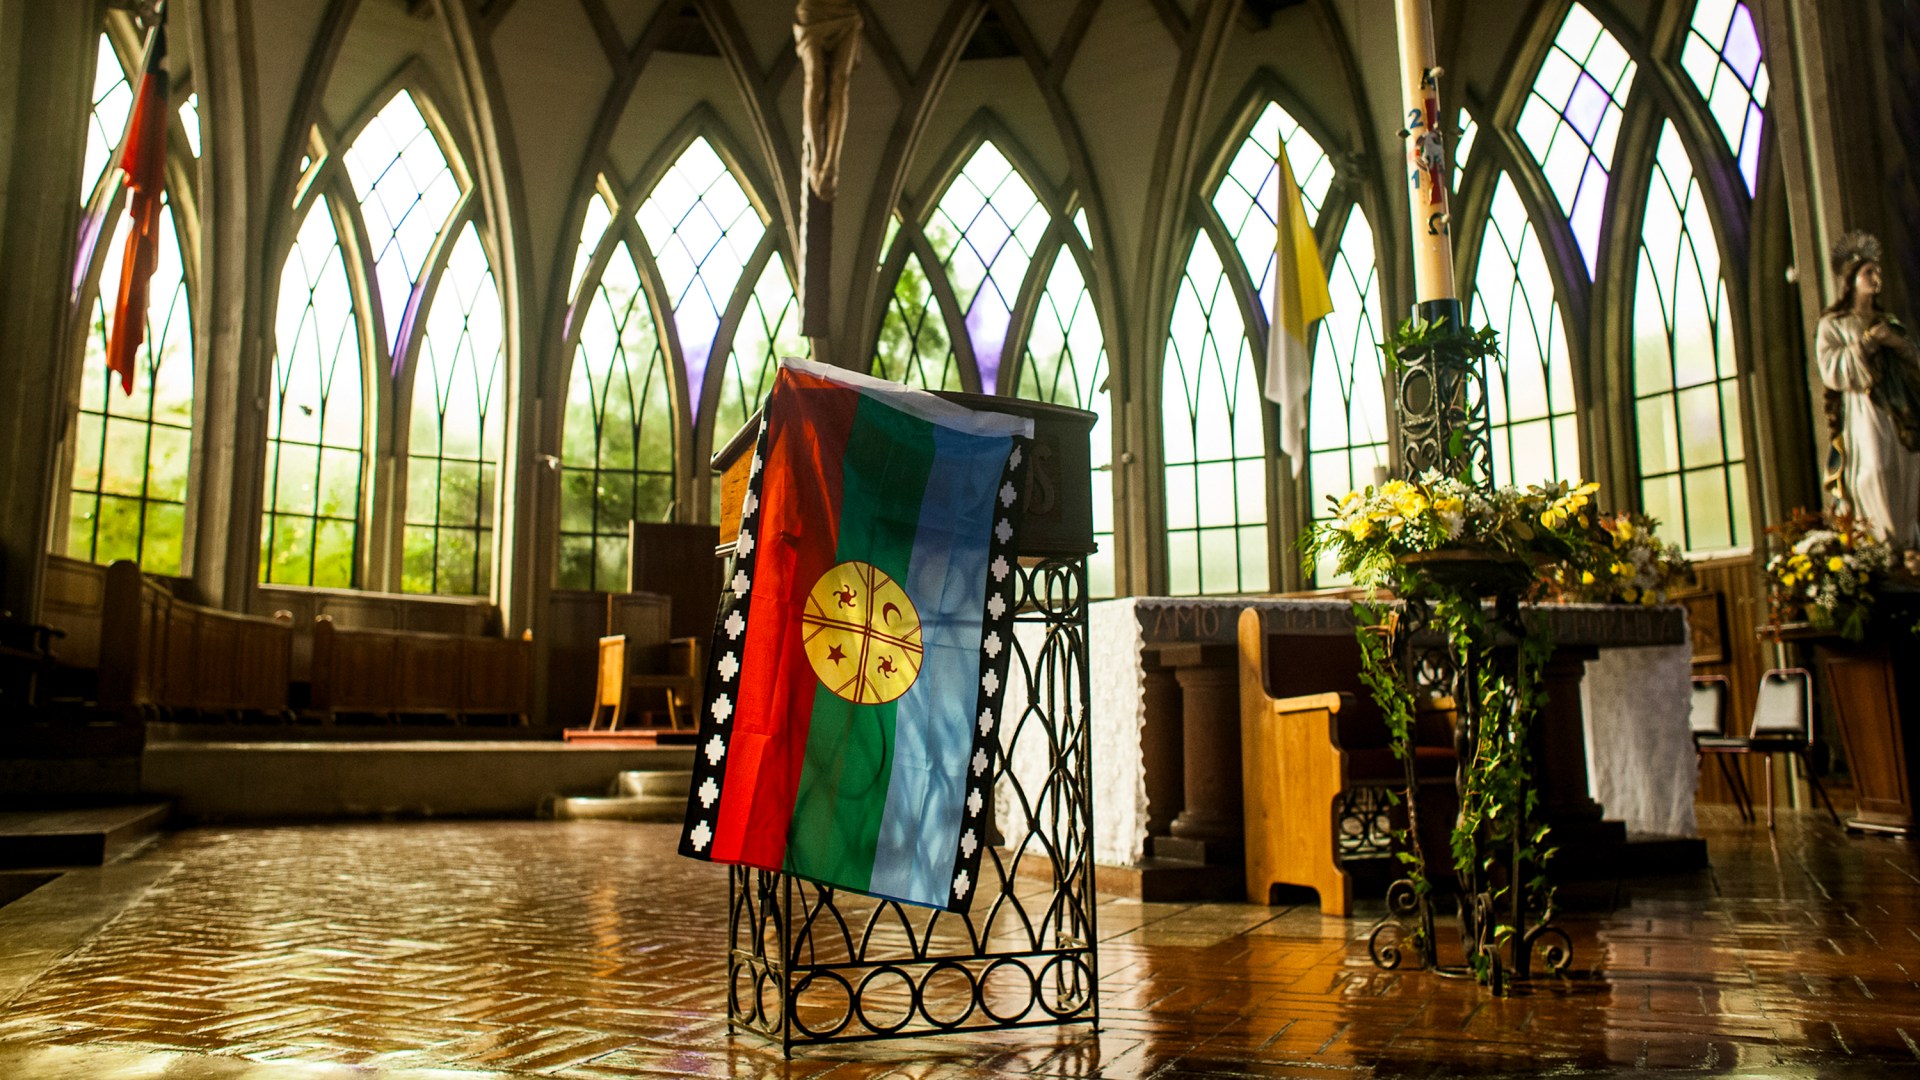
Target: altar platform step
<point>635,795</point>
<point>77,836</point>
<point>282,781</point>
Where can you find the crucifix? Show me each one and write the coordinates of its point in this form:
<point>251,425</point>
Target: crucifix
<point>826,34</point>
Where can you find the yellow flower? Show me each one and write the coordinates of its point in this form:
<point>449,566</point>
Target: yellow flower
<point>1788,580</point>
<point>1360,528</point>
<point>1836,564</point>
<point>1586,577</point>
<point>1621,569</point>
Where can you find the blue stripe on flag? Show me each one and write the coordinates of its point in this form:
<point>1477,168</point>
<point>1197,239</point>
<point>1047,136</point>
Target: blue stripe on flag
<point>933,729</point>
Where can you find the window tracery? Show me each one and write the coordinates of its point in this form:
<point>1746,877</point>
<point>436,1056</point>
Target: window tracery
<point>1722,56</point>
<point>1571,121</point>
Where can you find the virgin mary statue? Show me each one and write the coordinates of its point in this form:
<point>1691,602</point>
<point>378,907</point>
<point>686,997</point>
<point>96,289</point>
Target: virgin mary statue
<point>1871,369</point>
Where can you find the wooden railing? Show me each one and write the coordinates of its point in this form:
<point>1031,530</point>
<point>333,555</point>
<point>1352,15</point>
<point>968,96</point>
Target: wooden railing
<point>163,657</point>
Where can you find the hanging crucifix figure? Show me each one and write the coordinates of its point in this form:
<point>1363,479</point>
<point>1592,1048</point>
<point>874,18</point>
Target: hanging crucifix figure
<point>826,34</point>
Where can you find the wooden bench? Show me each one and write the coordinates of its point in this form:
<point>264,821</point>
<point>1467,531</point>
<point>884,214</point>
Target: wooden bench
<point>1316,756</point>
<point>161,657</point>
<point>397,674</point>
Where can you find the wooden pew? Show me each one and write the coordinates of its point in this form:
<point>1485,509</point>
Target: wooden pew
<point>163,657</point>
<point>71,602</point>
<point>395,674</point>
<point>1311,736</point>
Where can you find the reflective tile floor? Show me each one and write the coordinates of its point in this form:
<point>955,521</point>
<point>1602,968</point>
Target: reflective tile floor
<point>590,950</point>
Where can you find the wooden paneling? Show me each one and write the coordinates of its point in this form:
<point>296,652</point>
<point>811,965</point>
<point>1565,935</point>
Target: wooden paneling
<point>71,601</point>
<point>577,620</point>
<point>161,655</point>
<point>399,673</point>
<point>1736,581</point>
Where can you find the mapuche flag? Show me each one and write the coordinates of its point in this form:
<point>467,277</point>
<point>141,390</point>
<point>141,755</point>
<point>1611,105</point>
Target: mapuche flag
<point>143,157</point>
<point>850,725</point>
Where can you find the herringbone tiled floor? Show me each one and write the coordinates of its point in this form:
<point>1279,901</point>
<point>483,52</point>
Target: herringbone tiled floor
<point>589,950</point>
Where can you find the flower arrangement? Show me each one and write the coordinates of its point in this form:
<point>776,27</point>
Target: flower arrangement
<point>1583,554</point>
<point>1825,572</point>
<point>1623,562</point>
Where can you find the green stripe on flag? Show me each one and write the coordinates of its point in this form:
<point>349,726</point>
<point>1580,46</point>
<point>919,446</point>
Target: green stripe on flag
<point>842,795</point>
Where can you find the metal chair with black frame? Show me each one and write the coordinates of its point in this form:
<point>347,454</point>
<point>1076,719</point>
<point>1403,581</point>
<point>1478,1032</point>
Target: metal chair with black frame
<point>1708,719</point>
<point>1782,724</point>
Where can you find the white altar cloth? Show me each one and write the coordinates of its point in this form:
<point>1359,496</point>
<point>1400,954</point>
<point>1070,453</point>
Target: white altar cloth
<point>1640,760</point>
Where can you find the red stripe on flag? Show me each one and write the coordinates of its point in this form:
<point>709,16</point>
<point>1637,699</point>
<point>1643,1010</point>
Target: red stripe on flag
<point>797,533</point>
<point>143,157</point>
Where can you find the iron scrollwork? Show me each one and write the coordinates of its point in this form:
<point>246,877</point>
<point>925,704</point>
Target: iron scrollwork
<point>810,965</point>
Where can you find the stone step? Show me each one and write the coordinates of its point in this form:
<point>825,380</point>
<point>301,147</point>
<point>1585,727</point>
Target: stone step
<point>619,808</point>
<point>80,836</point>
<point>663,782</point>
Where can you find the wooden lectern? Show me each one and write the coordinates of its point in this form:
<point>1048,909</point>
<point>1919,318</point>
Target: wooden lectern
<point>1876,701</point>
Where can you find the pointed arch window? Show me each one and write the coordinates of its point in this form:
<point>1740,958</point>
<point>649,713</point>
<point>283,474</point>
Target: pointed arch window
<point>423,343</point>
<point>1722,56</point>
<point>1219,538</point>
<point>456,431</point>
<point>992,293</point>
<point>1347,405</point>
<point>682,307</point>
<point>1530,385</point>
<point>315,414</point>
<point>1686,380</point>
<point>1571,121</point>
<point>131,453</point>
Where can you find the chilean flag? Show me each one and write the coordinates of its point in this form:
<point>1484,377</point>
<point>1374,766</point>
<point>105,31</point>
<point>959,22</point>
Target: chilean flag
<point>143,157</point>
<point>852,713</point>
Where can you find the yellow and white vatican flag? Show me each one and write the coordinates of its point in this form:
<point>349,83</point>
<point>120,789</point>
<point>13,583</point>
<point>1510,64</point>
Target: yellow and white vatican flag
<point>1299,300</point>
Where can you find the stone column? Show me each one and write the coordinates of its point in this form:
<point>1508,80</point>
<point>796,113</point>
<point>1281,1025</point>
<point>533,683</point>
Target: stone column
<point>46,71</point>
<point>1210,826</point>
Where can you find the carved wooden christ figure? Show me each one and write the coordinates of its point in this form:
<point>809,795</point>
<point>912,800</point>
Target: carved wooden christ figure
<point>826,33</point>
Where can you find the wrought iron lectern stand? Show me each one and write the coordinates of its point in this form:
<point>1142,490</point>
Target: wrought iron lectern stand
<point>808,964</point>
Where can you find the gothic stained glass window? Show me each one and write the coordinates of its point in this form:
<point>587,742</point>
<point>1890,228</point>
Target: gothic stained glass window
<point>1347,403</point>
<point>1723,58</point>
<point>1065,363</point>
<point>702,230</point>
<point>406,190</point>
<point>1530,386</point>
<point>310,535</point>
<point>769,331</point>
<point>617,462</point>
<point>1463,147</point>
<point>986,230</point>
<point>112,102</point>
<point>1571,121</point>
<point>1248,198</point>
<point>1215,452</point>
<point>457,422</point>
<point>1686,384</point>
<point>131,451</point>
<point>914,347</point>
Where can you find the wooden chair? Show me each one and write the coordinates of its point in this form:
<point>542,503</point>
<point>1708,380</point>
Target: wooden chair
<point>1312,742</point>
<point>623,676</point>
<point>1782,724</point>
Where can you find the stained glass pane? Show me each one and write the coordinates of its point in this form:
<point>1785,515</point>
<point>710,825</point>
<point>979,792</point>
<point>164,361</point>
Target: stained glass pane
<point>1686,385</point>
<point>1463,146</point>
<point>310,534</point>
<point>702,229</point>
<point>190,122</point>
<point>617,462</point>
<point>592,228</point>
<point>1530,387</point>
<point>458,421</point>
<point>1571,121</point>
<point>129,487</point>
<point>769,332</point>
<point>1248,198</point>
<point>1066,364</point>
<point>112,102</point>
<point>407,191</point>
<point>914,347</point>
<point>1722,56</point>
<point>986,229</point>
<point>1347,404</point>
<point>1215,450</point>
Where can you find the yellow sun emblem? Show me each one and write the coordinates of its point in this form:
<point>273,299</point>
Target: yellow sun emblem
<point>862,634</point>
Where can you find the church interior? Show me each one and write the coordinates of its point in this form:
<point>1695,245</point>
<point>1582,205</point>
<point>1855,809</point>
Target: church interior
<point>358,639</point>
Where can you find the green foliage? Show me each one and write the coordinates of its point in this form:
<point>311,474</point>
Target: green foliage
<point>1416,338</point>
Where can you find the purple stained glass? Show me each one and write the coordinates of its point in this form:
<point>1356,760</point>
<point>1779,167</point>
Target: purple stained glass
<point>1742,51</point>
<point>987,322</point>
<point>1750,148</point>
<point>1586,107</point>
